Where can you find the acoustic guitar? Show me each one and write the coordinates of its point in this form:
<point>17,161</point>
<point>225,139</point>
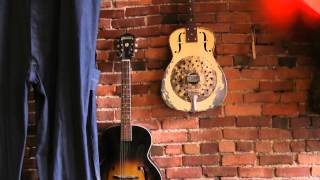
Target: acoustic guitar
<point>126,147</point>
<point>193,81</point>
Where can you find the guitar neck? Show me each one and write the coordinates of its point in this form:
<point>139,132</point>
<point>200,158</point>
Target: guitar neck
<point>126,128</point>
<point>191,31</point>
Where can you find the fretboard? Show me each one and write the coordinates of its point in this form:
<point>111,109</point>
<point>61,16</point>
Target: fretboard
<point>126,129</point>
<point>191,28</point>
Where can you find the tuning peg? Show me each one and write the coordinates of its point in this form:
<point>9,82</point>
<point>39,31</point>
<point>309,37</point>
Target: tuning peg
<point>136,50</point>
<point>135,45</point>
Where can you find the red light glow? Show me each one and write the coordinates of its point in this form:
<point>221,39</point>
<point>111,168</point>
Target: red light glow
<point>314,4</point>
<point>284,14</point>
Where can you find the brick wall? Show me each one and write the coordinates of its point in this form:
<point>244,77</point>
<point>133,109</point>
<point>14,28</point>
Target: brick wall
<point>263,129</point>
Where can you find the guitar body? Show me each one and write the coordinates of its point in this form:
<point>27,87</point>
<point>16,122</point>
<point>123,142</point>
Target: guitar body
<point>136,163</point>
<point>193,60</point>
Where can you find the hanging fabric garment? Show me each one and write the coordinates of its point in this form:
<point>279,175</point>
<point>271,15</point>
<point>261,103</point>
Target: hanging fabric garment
<point>49,45</point>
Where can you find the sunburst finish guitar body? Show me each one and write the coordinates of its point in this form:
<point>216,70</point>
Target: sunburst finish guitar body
<point>193,80</point>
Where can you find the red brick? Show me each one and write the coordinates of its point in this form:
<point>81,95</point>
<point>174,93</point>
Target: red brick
<point>110,79</point>
<point>265,61</point>
<point>220,171</point>
<point>293,172</point>
<point>315,122</point>
<point>158,41</point>
<point>104,24</point>
<point>303,84</point>
<point>244,146</point>
<point>138,113</point>
<point>276,85</point>
<point>268,50</point>
<point>274,134</point>
<point>280,109</point>
<point>240,133</point>
<point>217,122</point>
<point>233,97</point>
<point>180,123</point>
<point>143,76</point>
<point>124,23</point>
<point>169,9</point>
<point>227,146</point>
<point>240,85</point>
<point>236,38</point>
<point>209,7</point>
<point>140,11</point>
<point>206,135</point>
<point>122,4</point>
<point>243,110</point>
<point>300,122</point>
<point>294,73</point>
<point>184,172</point>
<point>239,159</point>
<point>238,49</point>
<point>110,33</point>
<point>242,6</point>
<point>145,100</point>
<point>251,121</point>
<point>275,159</point>
<point>108,102</point>
<point>262,97</point>
<point>315,171</point>
<point>200,160</point>
<point>157,150</point>
<point>105,115</point>
<point>102,56</point>
<point>191,148</point>
<point>106,90</point>
<point>265,38</point>
<point>165,162</point>
<point>281,146</point>
<point>215,112</point>
<point>111,13</point>
<point>312,159</point>
<point>166,112</point>
<point>154,20</point>
<point>145,31</point>
<point>306,133</point>
<point>240,28</point>
<point>313,145</point>
<point>231,73</point>
<point>234,17</point>
<point>263,147</point>
<point>157,53</point>
<point>298,146</point>
<point>225,60</point>
<point>165,137</point>
<point>173,149</point>
<point>291,97</point>
<point>208,148</point>
<point>137,89</point>
<point>261,74</point>
<point>256,172</point>
<point>204,18</point>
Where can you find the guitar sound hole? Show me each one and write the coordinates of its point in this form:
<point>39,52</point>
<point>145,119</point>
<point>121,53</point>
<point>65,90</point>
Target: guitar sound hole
<point>192,73</point>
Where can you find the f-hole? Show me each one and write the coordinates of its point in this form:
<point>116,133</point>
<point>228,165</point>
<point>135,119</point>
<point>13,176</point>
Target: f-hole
<point>179,43</point>
<point>205,42</point>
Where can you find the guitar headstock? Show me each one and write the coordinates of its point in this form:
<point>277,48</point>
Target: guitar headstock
<point>126,46</point>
